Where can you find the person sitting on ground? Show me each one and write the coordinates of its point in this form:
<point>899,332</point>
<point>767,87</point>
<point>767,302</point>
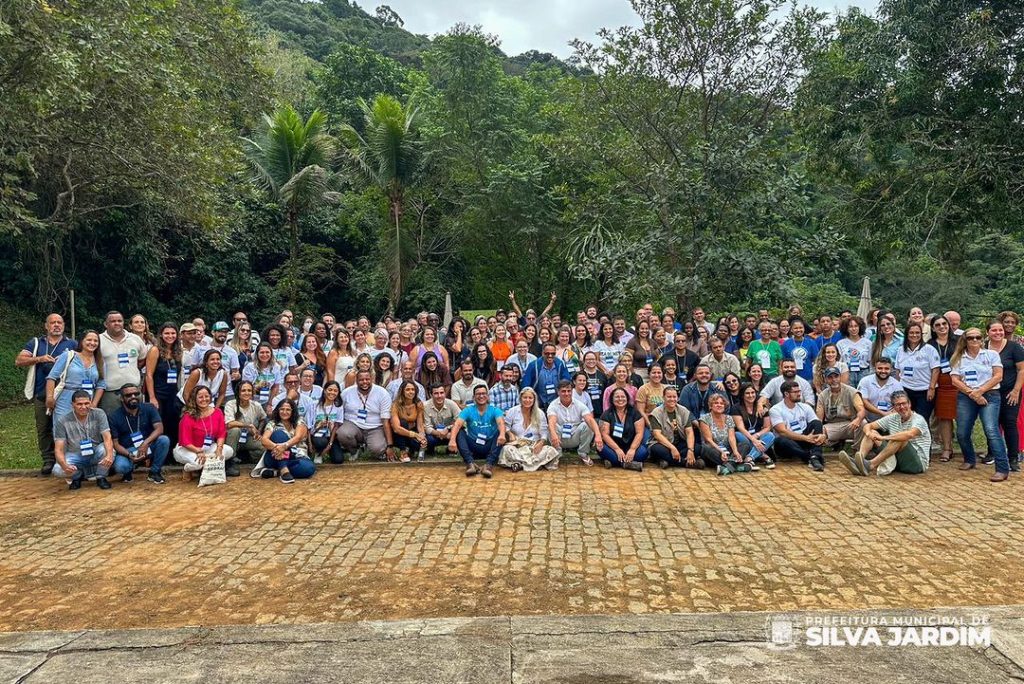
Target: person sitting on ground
<point>571,425</point>
<point>505,394</point>
<point>201,433</point>
<point>718,439</point>
<point>367,410</point>
<point>773,392</point>
<point>244,416</point>
<point>137,434</point>
<point>798,431</point>
<point>407,423</point>
<point>672,437</point>
<point>754,434</point>
<point>327,418</point>
<point>898,442</point>
<point>82,444</point>
<point>479,431</point>
<point>462,389</point>
<point>623,433</point>
<point>876,389</point>
<point>439,415</point>
<point>284,439</point>
<point>527,431</point>
<point>840,409</point>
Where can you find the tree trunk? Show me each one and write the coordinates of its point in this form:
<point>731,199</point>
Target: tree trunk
<point>293,258</point>
<point>396,290</point>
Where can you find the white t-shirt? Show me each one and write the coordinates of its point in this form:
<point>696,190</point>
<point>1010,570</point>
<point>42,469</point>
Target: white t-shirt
<point>305,404</point>
<point>796,419</point>
<point>367,412</point>
<point>974,372</point>
<point>879,395</point>
<point>773,390</point>
<point>857,355</point>
<point>121,359</point>
<point>515,423</point>
<point>608,353</point>
<point>916,367</point>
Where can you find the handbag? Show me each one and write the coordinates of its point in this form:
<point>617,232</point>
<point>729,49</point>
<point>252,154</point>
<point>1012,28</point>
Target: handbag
<point>213,471</point>
<point>30,379</point>
<point>60,383</point>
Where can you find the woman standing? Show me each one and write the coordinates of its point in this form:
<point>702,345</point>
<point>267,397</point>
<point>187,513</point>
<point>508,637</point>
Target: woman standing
<point>530,334</point>
<point>642,347</point>
<point>527,447</point>
<point>76,370</point>
<point>455,342</point>
<point>500,346</point>
<point>696,340</point>
<point>597,380</point>
<point>887,342</point>
<point>608,348</point>
<point>242,342</point>
<point>277,338</point>
<point>209,374</point>
<point>164,378</point>
<point>946,395</point>
<point>265,375</point>
<point>407,423</point>
<point>622,430</point>
<point>855,348</point>
<point>341,359</point>
<point>244,416</point>
<point>744,338</point>
<point>581,345</point>
<point>564,350</point>
<point>917,368</point>
<point>311,355</point>
<point>829,357</point>
<point>977,373</point>
<point>429,343</point>
<point>1011,355</point>
<point>140,326</point>
<point>284,439</point>
<point>483,364</point>
<point>202,432</point>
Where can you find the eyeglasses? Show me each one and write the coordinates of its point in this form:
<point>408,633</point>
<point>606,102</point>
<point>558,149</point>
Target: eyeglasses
<point>291,382</point>
<point>732,382</point>
<point>973,338</point>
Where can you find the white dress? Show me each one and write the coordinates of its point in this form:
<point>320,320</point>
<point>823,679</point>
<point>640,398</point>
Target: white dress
<point>518,453</point>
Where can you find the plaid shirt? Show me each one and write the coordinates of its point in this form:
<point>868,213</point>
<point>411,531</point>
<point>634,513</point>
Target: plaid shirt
<point>504,398</point>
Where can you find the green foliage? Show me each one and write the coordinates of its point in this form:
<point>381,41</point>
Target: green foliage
<point>353,73</point>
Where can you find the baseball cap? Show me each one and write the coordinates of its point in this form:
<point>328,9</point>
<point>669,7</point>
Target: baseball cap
<point>187,327</point>
<point>221,325</point>
<point>829,372</point>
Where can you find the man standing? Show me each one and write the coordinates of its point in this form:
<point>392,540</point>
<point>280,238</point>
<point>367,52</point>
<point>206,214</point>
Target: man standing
<point>571,425</point>
<point>367,416</point>
<point>840,409</point>
<point>773,390</point>
<point>686,360</point>
<point>462,390</point>
<point>138,434</point>
<point>700,318</point>
<point>82,446</point>
<point>484,433</point>
<point>799,431</point>
<point>187,336</point>
<point>899,442</point>
<point>505,394</point>
<point>38,356</point>
<point>544,375</point>
<point>122,352</point>
<point>829,334</point>
<point>720,361</point>
<point>954,323</point>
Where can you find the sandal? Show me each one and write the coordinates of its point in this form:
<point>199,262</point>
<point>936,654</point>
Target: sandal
<point>405,457</point>
<point>946,456</point>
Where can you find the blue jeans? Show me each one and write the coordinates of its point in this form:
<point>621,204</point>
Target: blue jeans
<point>88,466</point>
<point>608,454</point>
<point>967,412</point>
<point>300,468</point>
<point>468,448</point>
<point>158,451</point>
<point>747,448</point>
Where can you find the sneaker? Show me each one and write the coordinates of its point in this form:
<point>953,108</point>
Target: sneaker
<point>487,471</point>
<point>862,465</point>
<point>420,456</point>
<point>102,483</point>
<point>845,459</point>
<point>318,459</point>
<point>231,468</point>
<point>405,458</point>
<point>75,484</point>
<point>472,469</point>
<point>988,460</point>
<point>743,468</point>
<point>663,464</point>
<point>722,470</point>
<point>753,467</point>
<point>769,464</point>
<point>516,467</point>
<point>816,465</point>
<point>287,478</point>
<point>634,465</point>
<point>127,477</point>
<point>586,460</point>
<point>267,474</point>
<point>156,478</point>
<point>1014,467</point>
<point>47,469</point>
<point>606,463</point>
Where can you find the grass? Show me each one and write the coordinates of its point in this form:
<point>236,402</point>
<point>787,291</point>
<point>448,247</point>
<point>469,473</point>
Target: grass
<point>18,448</point>
<point>16,327</point>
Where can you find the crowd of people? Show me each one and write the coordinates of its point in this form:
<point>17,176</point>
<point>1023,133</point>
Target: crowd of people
<point>520,388</point>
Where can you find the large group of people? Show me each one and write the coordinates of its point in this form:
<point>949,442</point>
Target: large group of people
<point>519,389</point>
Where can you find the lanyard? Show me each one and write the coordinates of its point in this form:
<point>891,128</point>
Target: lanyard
<point>129,423</point>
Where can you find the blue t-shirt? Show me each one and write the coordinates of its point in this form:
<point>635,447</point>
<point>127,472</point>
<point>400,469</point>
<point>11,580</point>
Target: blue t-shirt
<point>803,353</point>
<point>485,425</point>
<point>43,369</point>
<point>123,426</point>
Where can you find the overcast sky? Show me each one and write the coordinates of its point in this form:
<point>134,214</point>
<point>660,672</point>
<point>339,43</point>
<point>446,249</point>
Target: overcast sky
<point>544,25</point>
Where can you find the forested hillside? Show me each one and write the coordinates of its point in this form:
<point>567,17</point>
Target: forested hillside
<point>734,158</point>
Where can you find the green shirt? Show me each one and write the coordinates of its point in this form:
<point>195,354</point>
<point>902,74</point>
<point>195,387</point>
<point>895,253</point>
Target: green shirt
<point>767,354</point>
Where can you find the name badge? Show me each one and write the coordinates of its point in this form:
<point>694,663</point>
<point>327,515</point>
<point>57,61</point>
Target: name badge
<point>617,429</point>
<point>243,437</point>
<point>481,440</point>
<point>137,439</point>
<point>794,425</point>
<point>649,361</point>
<point>549,389</point>
<point>172,376</point>
<point>566,429</point>
<point>595,392</point>
<point>264,395</point>
<point>322,432</point>
<point>187,368</point>
<point>884,404</point>
<point>88,386</point>
<point>944,366</point>
<point>362,414</point>
<point>908,373</point>
<point>439,427</point>
<point>529,435</point>
<point>207,441</point>
<point>970,375</point>
<point>854,367</point>
<point>122,359</point>
<point>86,447</point>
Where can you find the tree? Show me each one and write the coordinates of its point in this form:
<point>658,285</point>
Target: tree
<point>291,163</point>
<point>353,72</point>
<point>388,17</point>
<point>387,154</point>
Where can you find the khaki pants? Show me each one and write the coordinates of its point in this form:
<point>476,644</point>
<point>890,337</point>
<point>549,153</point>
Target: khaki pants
<point>842,430</point>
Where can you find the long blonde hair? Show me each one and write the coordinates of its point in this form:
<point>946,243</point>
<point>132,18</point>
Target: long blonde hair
<point>961,347</point>
<point>536,417</point>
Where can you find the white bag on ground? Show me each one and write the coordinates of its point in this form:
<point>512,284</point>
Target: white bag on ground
<point>213,472</point>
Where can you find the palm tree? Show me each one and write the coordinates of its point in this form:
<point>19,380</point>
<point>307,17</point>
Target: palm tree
<point>291,161</point>
<point>387,153</point>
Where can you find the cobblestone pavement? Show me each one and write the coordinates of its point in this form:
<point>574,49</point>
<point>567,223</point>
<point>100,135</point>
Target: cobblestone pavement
<point>358,543</point>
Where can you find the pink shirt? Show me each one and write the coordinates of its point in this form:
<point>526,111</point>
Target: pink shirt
<point>193,431</point>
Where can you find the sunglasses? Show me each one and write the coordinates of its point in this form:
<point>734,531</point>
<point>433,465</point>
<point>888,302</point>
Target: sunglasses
<point>973,338</point>
<point>129,395</point>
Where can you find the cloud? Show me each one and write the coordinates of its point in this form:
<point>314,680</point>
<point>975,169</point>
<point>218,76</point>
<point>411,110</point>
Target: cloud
<point>544,25</point>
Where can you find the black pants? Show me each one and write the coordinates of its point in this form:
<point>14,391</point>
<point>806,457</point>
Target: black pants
<point>44,431</point>
<point>1008,422</point>
<point>170,416</point>
<point>919,402</point>
<point>784,446</point>
<point>660,452</point>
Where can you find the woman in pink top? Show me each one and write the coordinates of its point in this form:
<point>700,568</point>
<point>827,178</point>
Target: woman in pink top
<point>201,433</point>
<point>429,344</point>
